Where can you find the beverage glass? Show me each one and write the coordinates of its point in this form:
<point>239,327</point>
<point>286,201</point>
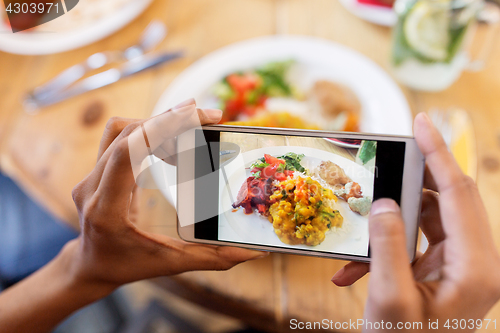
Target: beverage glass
<point>430,41</point>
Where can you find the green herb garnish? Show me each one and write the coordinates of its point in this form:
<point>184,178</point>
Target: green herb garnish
<point>292,161</point>
<point>259,164</point>
<point>367,151</point>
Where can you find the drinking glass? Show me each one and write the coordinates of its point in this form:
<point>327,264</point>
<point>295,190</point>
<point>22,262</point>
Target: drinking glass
<point>431,41</point>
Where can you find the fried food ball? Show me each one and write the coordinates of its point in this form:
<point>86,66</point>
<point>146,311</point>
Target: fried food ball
<point>333,174</point>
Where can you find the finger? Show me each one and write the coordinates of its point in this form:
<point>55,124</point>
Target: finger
<point>429,182</point>
<point>209,116</point>
<point>86,188</point>
<point>430,264</point>
<point>158,135</point>
<point>427,266</point>
<point>134,205</point>
<point>350,273</point>
<point>167,151</point>
<point>222,257</point>
<point>113,131</point>
<point>117,128</point>
<point>116,125</point>
<point>390,265</point>
<point>182,256</point>
<point>156,131</point>
<point>187,102</point>
<point>441,163</point>
<point>118,177</point>
<point>113,128</point>
<point>460,202</point>
<point>127,157</point>
<point>430,219</point>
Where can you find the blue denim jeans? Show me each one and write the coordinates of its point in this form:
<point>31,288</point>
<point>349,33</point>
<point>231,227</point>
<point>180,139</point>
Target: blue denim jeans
<point>29,236</point>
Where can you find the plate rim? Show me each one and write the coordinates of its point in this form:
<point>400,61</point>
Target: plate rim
<point>73,39</point>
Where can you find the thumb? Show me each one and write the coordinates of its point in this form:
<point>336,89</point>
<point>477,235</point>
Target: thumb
<point>390,265</point>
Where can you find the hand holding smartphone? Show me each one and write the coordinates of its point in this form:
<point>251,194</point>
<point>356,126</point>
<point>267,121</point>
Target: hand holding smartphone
<point>294,191</point>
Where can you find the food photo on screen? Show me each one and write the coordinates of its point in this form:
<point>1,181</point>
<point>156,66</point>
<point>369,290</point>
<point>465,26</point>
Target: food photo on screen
<point>296,192</point>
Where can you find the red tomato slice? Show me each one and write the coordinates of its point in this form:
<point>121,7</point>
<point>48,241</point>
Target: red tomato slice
<point>242,83</point>
<point>234,106</point>
<point>269,171</point>
<point>273,160</point>
<point>270,159</point>
<point>288,173</point>
<point>280,176</point>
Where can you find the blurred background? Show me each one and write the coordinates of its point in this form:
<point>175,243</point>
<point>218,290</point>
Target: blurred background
<point>347,65</point>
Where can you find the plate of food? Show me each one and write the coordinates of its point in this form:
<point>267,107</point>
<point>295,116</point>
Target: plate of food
<point>294,82</point>
<point>88,22</point>
<point>298,197</point>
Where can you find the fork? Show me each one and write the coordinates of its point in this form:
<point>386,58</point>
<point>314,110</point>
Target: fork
<point>154,33</point>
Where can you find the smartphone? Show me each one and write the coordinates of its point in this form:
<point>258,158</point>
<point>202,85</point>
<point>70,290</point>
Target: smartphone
<point>294,191</point>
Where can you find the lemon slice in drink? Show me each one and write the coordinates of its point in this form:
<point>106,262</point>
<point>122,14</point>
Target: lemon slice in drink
<point>426,28</point>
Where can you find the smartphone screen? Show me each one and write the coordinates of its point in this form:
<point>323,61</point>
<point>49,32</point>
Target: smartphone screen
<point>292,191</point>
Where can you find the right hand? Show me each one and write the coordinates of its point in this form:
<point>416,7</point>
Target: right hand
<point>458,277</point>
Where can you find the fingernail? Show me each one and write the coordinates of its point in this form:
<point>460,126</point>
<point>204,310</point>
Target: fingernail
<point>425,117</point>
<point>187,102</point>
<point>338,275</point>
<point>383,206</point>
<point>184,109</point>
<point>213,115</point>
<point>259,254</point>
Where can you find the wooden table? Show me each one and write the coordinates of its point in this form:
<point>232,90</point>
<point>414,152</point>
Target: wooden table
<point>48,153</point>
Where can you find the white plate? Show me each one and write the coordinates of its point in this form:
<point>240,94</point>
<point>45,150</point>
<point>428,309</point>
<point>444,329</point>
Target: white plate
<point>384,107</point>
<point>375,14</point>
<point>236,226</point>
<point>39,42</point>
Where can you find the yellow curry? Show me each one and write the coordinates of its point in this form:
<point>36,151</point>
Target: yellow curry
<point>302,211</point>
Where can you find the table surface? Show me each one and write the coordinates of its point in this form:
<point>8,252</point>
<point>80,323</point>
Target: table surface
<point>49,153</point>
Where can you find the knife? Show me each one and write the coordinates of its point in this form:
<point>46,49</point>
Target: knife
<point>32,104</point>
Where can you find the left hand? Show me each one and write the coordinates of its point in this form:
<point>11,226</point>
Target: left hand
<point>111,250</point>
